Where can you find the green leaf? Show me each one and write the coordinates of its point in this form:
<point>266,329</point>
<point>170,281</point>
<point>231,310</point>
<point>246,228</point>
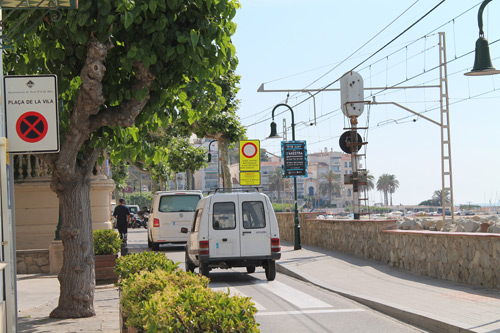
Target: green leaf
<point>132,52</point>
<point>129,19</point>
<point>172,4</point>
<point>195,36</point>
<point>180,49</point>
<point>152,6</point>
<point>182,96</point>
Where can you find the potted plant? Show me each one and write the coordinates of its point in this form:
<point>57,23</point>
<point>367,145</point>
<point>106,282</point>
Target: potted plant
<point>107,244</point>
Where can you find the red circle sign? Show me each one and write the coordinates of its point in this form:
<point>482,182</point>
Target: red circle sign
<point>249,150</point>
<point>31,126</point>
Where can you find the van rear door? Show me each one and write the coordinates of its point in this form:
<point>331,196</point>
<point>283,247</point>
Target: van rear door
<point>224,231</point>
<point>255,227</point>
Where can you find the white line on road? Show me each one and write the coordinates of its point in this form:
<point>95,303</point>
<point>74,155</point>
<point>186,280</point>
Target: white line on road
<point>296,297</point>
<point>281,313</point>
<point>233,291</point>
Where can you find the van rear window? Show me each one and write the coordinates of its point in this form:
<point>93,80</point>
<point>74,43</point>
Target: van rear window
<point>253,215</point>
<point>178,203</point>
<point>224,216</point>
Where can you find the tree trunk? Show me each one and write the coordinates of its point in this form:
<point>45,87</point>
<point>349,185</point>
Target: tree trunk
<point>117,195</point>
<point>224,155</point>
<point>77,277</point>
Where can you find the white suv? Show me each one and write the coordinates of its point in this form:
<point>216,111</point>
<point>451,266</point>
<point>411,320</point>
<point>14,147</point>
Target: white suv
<point>170,211</point>
<point>233,230</point>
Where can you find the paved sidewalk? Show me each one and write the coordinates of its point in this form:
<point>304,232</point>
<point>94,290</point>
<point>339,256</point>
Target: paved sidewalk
<point>38,295</point>
<point>435,305</point>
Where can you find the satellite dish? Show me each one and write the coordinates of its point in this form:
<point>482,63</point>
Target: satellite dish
<point>351,90</point>
<point>346,144</point>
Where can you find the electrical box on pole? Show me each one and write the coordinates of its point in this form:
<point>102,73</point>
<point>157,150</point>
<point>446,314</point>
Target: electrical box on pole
<point>352,94</point>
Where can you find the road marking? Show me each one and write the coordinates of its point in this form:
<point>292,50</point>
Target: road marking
<point>296,297</point>
<point>306,312</point>
<point>233,292</point>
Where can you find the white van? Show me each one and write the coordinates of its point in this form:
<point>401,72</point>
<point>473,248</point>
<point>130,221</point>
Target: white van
<point>233,230</point>
<point>170,211</point>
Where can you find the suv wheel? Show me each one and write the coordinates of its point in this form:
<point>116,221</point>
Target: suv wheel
<point>204,269</point>
<point>270,269</point>
<point>189,264</point>
<point>250,269</point>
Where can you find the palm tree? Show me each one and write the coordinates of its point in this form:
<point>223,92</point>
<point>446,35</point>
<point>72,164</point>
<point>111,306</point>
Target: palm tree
<point>276,181</point>
<point>437,197</point>
<point>383,186</point>
<point>394,184</point>
<point>330,185</point>
<point>370,185</point>
<point>388,185</point>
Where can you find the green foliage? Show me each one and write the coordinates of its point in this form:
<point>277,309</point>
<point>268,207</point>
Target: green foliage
<point>185,45</point>
<point>119,174</point>
<point>142,199</point>
<point>182,156</point>
<point>106,241</point>
<point>139,288</point>
<point>133,263</point>
<point>429,202</point>
<point>160,301</point>
<point>279,207</point>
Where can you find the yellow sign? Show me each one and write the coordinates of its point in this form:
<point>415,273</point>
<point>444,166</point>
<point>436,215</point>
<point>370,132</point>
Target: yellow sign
<point>250,178</point>
<point>250,155</point>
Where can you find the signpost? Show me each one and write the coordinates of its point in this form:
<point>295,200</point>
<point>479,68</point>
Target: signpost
<point>250,162</point>
<point>31,113</point>
<point>294,155</point>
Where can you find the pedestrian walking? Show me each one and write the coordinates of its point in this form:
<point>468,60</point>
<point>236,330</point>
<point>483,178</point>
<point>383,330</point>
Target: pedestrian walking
<point>122,214</point>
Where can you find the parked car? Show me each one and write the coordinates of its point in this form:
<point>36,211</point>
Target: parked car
<point>233,230</point>
<point>170,211</point>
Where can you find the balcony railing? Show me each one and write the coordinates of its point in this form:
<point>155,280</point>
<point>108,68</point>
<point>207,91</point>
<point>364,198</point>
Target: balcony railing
<point>29,167</point>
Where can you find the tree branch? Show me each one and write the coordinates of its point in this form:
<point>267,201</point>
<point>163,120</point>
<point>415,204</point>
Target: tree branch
<point>124,115</point>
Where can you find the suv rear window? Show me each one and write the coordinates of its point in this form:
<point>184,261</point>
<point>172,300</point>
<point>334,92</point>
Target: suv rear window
<point>178,203</point>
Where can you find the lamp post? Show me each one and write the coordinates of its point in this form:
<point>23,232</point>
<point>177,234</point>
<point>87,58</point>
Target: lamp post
<point>482,60</point>
<point>209,154</point>
<point>274,135</point>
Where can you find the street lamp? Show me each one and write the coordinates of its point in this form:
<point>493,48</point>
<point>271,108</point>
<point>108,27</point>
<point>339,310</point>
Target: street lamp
<point>482,60</point>
<point>210,155</point>
<point>274,135</point>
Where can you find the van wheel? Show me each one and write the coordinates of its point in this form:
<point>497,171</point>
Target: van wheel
<point>270,269</point>
<point>250,269</point>
<point>150,244</point>
<point>155,246</point>
<point>204,269</point>
<point>189,264</point>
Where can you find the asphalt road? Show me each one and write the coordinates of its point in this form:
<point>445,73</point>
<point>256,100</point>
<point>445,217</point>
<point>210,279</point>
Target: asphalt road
<point>286,304</point>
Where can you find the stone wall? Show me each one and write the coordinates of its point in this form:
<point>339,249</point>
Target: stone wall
<point>32,261</point>
<point>37,210</point>
<point>471,258</point>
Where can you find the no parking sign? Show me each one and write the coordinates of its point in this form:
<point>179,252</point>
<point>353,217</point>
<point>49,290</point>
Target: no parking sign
<point>31,113</point>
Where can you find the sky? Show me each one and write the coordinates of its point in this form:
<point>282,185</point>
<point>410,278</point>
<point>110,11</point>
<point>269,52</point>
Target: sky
<point>294,45</point>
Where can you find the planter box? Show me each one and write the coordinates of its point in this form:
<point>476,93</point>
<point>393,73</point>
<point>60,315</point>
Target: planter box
<point>105,268</point>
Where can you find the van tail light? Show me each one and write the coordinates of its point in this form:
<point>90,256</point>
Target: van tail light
<point>156,223</point>
<point>275,245</point>
<point>204,247</point>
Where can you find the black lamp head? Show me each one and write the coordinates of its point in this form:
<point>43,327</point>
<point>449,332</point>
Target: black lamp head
<point>274,132</point>
<point>482,60</point>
